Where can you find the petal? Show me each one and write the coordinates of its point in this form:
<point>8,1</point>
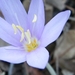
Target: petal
<point>7,33</point>
<point>12,54</point>
<point>14,12</point>
<point>54,27</point>
<point>38,58</point>
<point>36,11</point>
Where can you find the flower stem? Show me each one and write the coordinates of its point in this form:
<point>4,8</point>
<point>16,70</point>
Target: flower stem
<point>10,69</point>
<point>50,69</point>
<point>25,69</point>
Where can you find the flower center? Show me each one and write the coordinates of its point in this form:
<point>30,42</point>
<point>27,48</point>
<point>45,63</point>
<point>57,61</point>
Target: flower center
<point>31,46</point>
<point>29,43</point>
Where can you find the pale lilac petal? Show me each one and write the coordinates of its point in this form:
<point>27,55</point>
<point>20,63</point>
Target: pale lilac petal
<point>36,8</point>
<point>54,27</point>
<point>14,12</point>
<point>38,58</point>
<point>7,33</point>
<point>12,54</point>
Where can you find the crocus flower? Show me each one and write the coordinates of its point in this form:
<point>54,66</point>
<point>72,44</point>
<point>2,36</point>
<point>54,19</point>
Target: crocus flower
<point>27,34</point>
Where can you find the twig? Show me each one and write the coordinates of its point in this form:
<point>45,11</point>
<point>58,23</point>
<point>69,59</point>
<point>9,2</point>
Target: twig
<point>72,18</point>
<point>70,8</point>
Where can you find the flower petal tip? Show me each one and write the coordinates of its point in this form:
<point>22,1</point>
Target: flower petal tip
<point>68,11</point>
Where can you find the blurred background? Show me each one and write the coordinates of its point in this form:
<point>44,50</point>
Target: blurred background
<point>62,51</point>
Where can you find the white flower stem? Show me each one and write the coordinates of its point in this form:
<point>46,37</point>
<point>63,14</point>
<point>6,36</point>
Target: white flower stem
<point>50,69</point>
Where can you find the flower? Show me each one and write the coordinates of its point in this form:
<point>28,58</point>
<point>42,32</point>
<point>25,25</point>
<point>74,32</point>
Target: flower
<point>27,34</point>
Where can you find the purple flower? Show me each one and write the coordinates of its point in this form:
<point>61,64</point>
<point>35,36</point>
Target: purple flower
<point>27,34</point>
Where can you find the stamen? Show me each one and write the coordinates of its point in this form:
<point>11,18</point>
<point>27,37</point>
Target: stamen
<point>22,37</point>
<point>30,43</point>
<point>29,33</point>
<point>28,37</point>
<point>22,31</point>
<point>20,28</point>
<point>15,29</point>
<point>32,46</point>
<point>35,18</point>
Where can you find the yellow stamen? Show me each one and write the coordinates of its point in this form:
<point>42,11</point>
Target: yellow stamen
<point>22,31</point>
<point>27,34</point>
<point>20,28</point>
<point>31,43</point>
<point>15,29</point>
<point>22,37</point>
<point>32,46</point>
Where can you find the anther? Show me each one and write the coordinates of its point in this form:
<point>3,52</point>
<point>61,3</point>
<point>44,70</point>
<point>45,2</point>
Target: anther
<point>22,37</point>
<point>15,29</point>
<point>34,19</point>
<point>28,37</point>
<point>20,28</point>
